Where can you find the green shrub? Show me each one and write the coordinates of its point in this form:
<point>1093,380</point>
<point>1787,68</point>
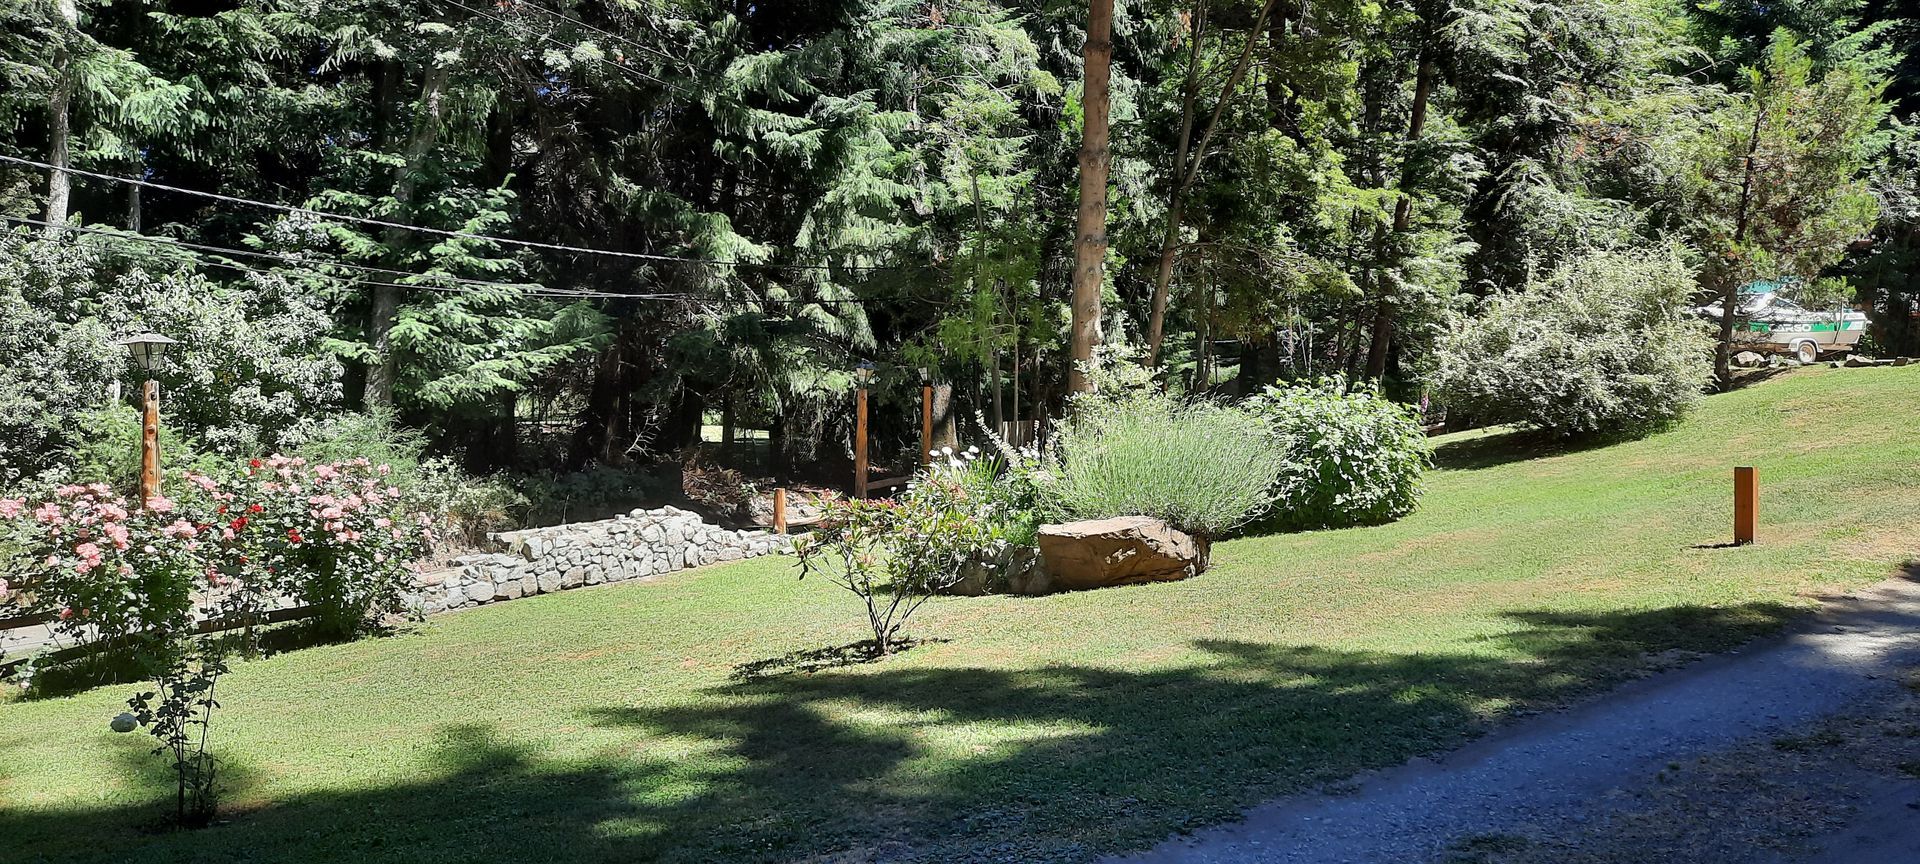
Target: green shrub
<point>1603,346</point>
<point>893,555</point>
<point>1354,457</point>
<point>250,364</point>
<point>1205,468</point>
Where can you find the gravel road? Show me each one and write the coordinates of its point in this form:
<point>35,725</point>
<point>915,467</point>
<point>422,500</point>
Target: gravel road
<point>1552,774</point>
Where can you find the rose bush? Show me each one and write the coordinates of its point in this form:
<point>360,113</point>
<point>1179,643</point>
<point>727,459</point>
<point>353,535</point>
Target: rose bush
<point>332,535</point>
<point>103,569</point>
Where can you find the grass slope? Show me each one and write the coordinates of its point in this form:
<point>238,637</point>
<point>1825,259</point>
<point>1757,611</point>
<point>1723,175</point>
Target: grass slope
<point>602,724</point>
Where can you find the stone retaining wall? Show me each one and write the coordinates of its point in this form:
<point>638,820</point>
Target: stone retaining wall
<point>544,560</point>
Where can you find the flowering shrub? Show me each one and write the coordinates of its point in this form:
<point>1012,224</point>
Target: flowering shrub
<point>104,569</point>
<point>1000,492</point>
<point>1354,457</point>
<point>334,535</point>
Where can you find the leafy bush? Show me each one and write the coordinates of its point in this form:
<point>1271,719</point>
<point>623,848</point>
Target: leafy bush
<point>1354,457</point>
<point>1205,468</point>
<point>1602,346</point>
<point>893,555</point>
<point>597,492</point>
<point>251,363</point>
<point>999,492</point>
<point>178,713</point>
<point>464,508</point>
<point>722,491</point>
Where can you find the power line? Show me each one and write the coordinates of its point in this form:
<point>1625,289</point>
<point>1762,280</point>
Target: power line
<point>440,232</point>
<point>199,252</point>
<point>289,259</point>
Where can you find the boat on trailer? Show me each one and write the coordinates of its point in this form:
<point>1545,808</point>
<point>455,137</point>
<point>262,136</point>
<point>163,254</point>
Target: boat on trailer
<point>1770,321</point>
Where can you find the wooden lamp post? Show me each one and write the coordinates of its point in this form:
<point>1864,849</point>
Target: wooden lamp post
<point>147,350</point>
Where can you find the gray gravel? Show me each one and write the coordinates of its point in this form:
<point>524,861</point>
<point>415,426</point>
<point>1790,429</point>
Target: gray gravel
<point>1550,769</point>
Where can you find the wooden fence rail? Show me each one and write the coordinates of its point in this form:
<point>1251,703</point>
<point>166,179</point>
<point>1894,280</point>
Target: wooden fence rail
<point>211,625</point>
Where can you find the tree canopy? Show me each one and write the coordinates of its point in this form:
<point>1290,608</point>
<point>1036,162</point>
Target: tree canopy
<point>577,231</point>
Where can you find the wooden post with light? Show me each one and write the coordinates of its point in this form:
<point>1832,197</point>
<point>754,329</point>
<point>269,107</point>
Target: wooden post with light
<point>1746,504</point>
<point>780,510</point>
<point>864,374</point>
<point>147,350</point>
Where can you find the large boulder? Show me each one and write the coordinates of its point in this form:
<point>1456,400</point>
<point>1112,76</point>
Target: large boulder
<point>1124,550</point>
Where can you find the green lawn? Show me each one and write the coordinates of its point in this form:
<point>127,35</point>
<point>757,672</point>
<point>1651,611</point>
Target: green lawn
<point>603,724</point>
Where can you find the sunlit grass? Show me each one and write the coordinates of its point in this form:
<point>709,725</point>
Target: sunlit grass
<point>603,724</point>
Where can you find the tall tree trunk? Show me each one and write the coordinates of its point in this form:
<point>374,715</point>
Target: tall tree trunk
<point>598,420</point>
<point>1383,310</point>
<point>60,118</point>
<point>1016,388</point>
<point>1176,203</point>
<point>386,298</point>
<point>1730,280</point>
<point>999,408</point>
<point>945,429</point>
<point>1187,168</point>
<point>777,447</point>
<point>1090,242</point>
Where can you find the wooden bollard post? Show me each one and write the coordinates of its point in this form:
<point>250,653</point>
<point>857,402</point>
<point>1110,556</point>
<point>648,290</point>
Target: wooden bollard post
<point>780,510</point>
<point>1746,504</point>
<point>926,424</point>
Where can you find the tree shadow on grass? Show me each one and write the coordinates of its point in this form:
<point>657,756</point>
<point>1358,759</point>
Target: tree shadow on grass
<point>810,660</point>
<point>127,665</point>
<point>926,763</point>
<point>1513,445</point>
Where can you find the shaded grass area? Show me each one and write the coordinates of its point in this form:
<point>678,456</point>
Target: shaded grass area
<point>615,723</point>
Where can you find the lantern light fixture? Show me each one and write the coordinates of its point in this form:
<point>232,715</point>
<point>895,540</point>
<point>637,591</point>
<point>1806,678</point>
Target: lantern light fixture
<point>148,349</point>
